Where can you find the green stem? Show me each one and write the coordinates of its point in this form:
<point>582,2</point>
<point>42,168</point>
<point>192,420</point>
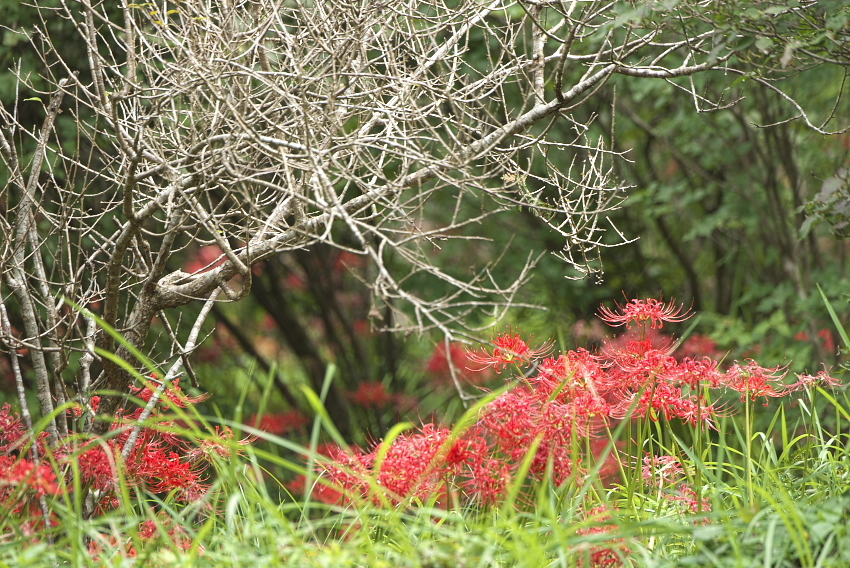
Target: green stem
<point>748,432</point>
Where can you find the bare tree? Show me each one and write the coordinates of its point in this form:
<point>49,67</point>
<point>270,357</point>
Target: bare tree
<point>264,126</point>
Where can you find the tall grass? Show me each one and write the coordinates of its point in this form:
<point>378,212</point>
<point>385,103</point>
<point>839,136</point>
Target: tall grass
<point>778,497</point>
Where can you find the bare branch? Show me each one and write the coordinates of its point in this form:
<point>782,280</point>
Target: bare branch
<point>173,373</point>
<point>380,128</point>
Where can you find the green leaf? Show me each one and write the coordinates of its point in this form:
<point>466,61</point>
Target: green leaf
<point>820,531</point>
<point>835,319</point>
<point>317,406</point>
<point>807,225</point>
<point>764,44</point>
<point>744,43</point>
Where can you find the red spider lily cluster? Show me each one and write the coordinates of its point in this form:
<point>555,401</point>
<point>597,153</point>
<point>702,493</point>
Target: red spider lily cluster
<point>159,461</point>
<point>609,554</point>
<point>280,423</point>
<point>150,531</point>
<point>553,417</point>
<point>456,359</point>
<point>374,395</point>
<point>666,475</point>
<point>824,335</point>
<point>509,349</point>
<point>371,394</point>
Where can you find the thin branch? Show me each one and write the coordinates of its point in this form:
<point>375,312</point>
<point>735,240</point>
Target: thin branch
<point>172,374</point>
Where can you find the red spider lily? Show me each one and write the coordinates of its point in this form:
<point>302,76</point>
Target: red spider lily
<point>97,466</point>
<point>566,401</point>
<point>440,366</point>
<point>695,373</point>
<point>153,465</point>
<point>602,556</point>
<point>280,423</point>
<point>151,529</point>
<point>641,370</point>
<point>109,544</point>
<point>556,426</point>
<point>345,474</point>
<point>416,465</point>
<point>660,471</point>
<point>158,462</point>
<point>173,394</point>
<point>828,340</point>
<point>468,449</point>
<point>686,496</point>
<point>371,395</point>
<point>222,445</point>
<point>699,345</point>
<point>637,341</point>
<point>569,376</point>
<point>508,349</point>
<point>510,421</point>
<point>164,471</point>
<point>41,479</point>
<point>488,480</point>
<point>805,382</point>
<point>12,429</point>
<point>320,491</point>
<point>519,417</point>
<point>663,400</point>
<point>753,380</point>
<point>655,311</point>
<point>412,466</point>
